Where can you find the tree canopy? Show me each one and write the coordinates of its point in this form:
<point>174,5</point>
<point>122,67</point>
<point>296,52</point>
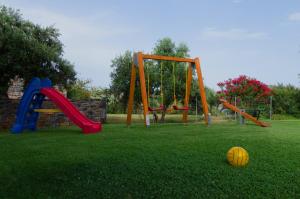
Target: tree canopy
<point>120,79</point>
<point>80,90</point>
<point>167,47</point>
<point>155,82</point>
<point>248,91</point>
<point>121,74</point>
<point>28,50</point>
<point>286,99</point>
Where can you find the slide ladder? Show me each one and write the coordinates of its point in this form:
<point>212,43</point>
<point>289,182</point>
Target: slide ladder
<point>26,117</point>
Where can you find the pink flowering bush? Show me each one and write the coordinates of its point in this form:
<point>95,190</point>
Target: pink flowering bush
<point>248,91</point>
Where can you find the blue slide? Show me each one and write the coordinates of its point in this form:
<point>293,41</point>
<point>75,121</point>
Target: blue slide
<point>26,117</point>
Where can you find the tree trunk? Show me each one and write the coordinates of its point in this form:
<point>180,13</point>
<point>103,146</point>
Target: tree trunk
<point>163,114</point>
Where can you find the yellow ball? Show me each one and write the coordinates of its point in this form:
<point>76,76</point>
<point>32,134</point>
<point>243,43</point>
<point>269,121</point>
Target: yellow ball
<point>237,156</point>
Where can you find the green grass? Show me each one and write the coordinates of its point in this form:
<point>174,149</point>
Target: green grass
<point>138,118</point>
<point>284,117</point>
<point>167,161</point>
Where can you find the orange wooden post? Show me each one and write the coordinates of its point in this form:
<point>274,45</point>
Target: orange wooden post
<point>188,92</point>
<point>202,89</point>
<point>143,87</point>
<point>131,93</point>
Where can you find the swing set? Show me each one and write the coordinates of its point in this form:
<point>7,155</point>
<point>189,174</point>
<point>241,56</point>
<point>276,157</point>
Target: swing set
<point>138,64</point>
<point>162,107</point>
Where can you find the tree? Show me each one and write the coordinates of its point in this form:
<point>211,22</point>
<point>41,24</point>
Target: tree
<point>122,67</point>
<point>167,47</point>
<point>79,90</point>
<point>248,91</point>
<point>211,97</point>
<point>28,50</point>
<point>99,92</point>
<point>286,99</point>
<point>120,77</point>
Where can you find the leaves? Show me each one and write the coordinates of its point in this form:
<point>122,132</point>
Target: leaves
<point>28,50</point>
<point>286,99</point>
<point>122,68</point>
<point>166,47</point>
<point>120,79</point>
<point>247,90</point>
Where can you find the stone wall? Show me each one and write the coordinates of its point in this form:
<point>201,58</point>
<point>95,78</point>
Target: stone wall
<point>15,89</point>
<point>93,109</point>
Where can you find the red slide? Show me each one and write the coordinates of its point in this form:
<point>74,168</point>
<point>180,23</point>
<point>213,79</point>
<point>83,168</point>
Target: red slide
<point>87,125</point>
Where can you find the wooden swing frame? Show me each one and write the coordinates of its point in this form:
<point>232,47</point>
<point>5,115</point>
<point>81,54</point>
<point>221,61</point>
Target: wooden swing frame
<point>138,64</point>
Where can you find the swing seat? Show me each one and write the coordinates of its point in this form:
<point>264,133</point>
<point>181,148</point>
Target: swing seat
<point>184,108</point>
<point>160,108</point>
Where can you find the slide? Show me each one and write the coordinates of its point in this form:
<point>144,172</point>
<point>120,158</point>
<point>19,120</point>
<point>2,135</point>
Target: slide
<point>33,97</point>
<point>87,125</point>
<point>26,118</point>
<point>246,115</point>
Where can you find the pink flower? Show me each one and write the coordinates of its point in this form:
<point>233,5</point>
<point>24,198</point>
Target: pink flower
<point>221,84</point>
<point>245,87</point>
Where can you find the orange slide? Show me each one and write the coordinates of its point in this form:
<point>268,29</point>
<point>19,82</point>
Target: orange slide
<point>246,115</point>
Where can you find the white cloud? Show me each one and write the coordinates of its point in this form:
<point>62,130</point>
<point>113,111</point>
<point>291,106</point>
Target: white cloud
<point>88,41</point>
<point>231,34</point>
<point>76,26</point>
<point>294,16</point>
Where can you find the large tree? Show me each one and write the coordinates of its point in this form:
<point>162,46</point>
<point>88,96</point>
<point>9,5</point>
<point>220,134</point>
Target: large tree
<point>248,92</point>
<point>153,69</point>
<point>159,78</point>
<point>167,47</point>
<point>120,76</point>
<point>211,97</point>
<point>286,99</point>
<point>28,50</point>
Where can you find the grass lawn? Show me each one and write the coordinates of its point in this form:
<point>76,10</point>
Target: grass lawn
<point>166,161</point>
<point>139,118</point>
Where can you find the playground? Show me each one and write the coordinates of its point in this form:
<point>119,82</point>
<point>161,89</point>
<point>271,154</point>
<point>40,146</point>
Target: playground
<point>173,161</point>
<point>90,109</point>
<point>144,158</point>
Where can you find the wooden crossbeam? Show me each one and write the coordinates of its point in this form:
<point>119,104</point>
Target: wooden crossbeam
<point>167,58</point>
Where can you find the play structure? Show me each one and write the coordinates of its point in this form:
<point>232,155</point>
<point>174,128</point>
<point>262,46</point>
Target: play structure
<point>31,105</point>
<point>138,65</point>
<point>244,114</point>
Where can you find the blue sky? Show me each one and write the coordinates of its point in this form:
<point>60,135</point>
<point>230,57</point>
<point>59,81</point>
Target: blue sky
<point>257,38</point>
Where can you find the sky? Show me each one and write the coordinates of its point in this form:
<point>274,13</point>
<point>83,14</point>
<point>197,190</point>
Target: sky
<point>257,38</point>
